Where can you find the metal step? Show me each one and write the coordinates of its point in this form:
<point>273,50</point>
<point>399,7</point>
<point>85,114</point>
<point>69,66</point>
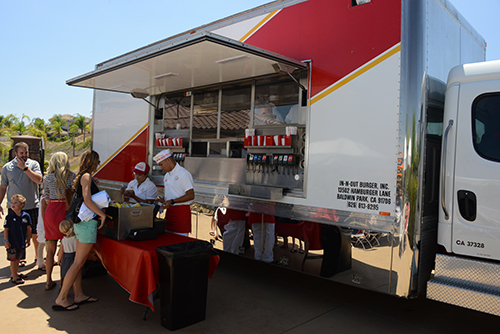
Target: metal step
<point>472,284</point>
<point>477,271</point>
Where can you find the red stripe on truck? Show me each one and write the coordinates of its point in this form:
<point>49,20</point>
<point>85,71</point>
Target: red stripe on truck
<point>337,38</point>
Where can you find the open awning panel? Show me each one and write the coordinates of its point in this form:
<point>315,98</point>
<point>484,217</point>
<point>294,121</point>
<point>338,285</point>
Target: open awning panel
<point>200,60</point>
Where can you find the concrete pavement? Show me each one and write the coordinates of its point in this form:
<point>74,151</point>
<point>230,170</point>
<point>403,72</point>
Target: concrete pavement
<point>244,296</point>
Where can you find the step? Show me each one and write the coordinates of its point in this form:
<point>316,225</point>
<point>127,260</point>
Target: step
<point>473,284</point>
<point>462,269</point>
<point>477,298</point>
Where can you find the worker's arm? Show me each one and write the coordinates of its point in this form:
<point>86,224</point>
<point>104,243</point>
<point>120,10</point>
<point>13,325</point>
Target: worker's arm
<point>188,196</point>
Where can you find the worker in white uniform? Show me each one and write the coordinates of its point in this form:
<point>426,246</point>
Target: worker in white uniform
<point>141,189</point>
<point>179,194</point>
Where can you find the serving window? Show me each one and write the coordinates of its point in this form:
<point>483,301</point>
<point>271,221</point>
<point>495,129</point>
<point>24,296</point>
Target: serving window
<point>177,112</point>
<point>277,102</point>
<point>235,110</point>
<point>205,113</point>
<point>215,123</point>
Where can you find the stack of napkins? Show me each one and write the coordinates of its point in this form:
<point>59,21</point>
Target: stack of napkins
<point>101,199</point>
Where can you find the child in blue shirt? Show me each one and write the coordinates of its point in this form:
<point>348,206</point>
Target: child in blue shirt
<point>17,236</point>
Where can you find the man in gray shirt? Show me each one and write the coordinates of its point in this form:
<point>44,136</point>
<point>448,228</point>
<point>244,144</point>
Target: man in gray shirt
<point>22,176</point>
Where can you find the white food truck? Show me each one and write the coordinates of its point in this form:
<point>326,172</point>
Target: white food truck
<point>368,129</point>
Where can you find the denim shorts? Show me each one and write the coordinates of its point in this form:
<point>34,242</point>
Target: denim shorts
<point>86,231</point>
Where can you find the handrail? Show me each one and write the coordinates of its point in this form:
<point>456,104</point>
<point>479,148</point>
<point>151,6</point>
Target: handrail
<point>443,183</point>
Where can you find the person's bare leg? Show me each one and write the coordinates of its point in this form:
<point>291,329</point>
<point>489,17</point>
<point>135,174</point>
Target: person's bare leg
<point>78,288</point>
<point>49,262</point>
<point>14,267</point>
<point>82,252</point>
<point>34,238</point>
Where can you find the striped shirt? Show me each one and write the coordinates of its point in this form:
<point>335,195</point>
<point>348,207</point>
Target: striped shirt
<point>50,189</point>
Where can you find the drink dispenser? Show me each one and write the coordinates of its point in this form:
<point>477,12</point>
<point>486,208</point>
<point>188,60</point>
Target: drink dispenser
<point>273,158</point>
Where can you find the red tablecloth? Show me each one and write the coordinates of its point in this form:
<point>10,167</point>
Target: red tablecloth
<point>134,264</point>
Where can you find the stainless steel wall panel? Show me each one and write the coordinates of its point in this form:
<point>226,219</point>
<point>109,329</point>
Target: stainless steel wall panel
<point>216,169</point>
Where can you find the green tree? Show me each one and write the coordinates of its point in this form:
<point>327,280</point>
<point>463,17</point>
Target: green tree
<point>81,123</point>
<point>73,130</point>
<point>56,127</point>
<point>20,127</point>
<point>32,130</point>
<point>8,121</point>
<point>58,122</point>
<point>39,124</point>
<point>57,118</point>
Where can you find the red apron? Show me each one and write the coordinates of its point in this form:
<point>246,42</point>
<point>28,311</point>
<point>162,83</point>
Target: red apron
<point>178,219</point>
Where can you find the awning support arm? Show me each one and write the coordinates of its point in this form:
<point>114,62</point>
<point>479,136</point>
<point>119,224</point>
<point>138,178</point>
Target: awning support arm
<point>287,69</point>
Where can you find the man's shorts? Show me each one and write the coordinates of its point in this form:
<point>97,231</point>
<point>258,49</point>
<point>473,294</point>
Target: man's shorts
<point>34,219</point>
<point>15,254</point>
<point>86,231</point>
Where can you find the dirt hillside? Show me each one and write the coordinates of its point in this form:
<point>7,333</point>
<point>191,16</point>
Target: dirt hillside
<point>66,147</point>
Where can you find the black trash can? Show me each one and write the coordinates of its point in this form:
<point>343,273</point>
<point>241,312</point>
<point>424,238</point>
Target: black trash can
<point>183,283</point>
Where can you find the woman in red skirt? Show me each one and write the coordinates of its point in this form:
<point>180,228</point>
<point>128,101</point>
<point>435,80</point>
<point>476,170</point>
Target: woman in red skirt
<point>55,183</point>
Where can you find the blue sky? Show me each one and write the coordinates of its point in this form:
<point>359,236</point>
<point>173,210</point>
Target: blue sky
<point>45,43</point>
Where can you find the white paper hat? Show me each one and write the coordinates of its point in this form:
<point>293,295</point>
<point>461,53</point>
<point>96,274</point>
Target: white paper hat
<point>162,155</point>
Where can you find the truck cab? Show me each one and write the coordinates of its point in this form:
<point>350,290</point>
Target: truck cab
<point>468,221</point>
<point>467,270</point>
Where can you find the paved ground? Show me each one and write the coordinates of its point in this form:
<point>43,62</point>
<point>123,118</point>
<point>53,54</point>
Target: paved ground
<point>244,296</point>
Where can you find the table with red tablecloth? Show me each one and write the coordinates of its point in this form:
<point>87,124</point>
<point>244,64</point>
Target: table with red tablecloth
<point>134,264</point>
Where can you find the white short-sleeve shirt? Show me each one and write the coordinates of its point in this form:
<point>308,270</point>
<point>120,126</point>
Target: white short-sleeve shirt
<point>146,190</point>
<point>177,182</point>
<point>69,244</point>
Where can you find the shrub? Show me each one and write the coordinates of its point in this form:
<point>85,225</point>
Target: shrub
<point>4,154</point>
<point>87,143</point>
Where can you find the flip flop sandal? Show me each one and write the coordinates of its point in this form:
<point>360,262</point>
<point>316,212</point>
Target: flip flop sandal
<point>22,263</point>
<point>71,307</point>
<point>87,301</point>
<point>19,280</point>
<point>23,276</point>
